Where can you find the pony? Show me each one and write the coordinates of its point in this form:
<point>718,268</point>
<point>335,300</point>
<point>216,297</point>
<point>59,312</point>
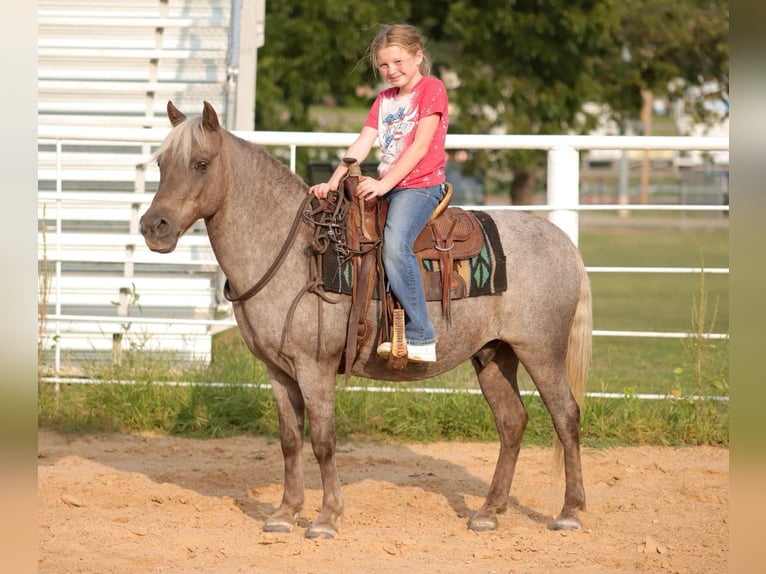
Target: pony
<point>251,204</point>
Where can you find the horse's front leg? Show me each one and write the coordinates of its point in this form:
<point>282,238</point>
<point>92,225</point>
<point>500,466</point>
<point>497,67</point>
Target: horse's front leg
<point>320,406</point>
<point>290,410</point>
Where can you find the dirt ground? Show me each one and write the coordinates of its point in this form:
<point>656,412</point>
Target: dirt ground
<point>144,503</point>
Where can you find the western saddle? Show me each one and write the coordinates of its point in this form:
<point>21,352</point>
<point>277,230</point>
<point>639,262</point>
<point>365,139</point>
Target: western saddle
<point>450,235</point>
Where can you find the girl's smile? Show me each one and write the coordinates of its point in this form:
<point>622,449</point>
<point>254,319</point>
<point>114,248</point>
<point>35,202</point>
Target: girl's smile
<point>399,68</point>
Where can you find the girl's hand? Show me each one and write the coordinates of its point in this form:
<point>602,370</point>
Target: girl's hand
<point>320,190</point>
<point>369,188</point>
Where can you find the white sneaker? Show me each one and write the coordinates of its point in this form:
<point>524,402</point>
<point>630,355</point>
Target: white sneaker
<point>422,353</point>
<point>415,353</point>
<point>384,350</point>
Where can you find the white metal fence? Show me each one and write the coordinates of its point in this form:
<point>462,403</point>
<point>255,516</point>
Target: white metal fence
<point>91,282</point>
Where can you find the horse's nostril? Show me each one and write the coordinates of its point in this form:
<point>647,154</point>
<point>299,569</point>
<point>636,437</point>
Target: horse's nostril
<point>156,226</point>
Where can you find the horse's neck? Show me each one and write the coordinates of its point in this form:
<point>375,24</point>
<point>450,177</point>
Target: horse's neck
<point>253,222</point>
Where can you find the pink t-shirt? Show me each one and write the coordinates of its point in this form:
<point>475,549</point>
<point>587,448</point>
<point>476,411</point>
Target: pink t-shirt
<point>396,120</point>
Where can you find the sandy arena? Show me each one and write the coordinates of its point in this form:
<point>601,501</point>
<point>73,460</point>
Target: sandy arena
<point>143,503</point>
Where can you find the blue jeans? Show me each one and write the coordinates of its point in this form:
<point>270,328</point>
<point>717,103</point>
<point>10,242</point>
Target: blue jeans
<point>408,212</point>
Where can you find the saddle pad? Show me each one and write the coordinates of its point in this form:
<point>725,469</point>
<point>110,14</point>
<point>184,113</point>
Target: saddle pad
<point>483,274</point>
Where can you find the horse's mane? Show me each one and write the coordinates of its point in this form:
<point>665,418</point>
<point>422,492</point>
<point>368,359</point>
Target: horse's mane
<point>180,139</point>
<point>191,131</point>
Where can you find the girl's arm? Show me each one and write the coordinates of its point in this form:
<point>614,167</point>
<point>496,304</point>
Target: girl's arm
<point>369,187</point>
<point>359,150</point>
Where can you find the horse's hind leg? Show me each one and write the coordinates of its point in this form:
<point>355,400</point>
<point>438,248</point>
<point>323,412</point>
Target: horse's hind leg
<point>550,378</point>
<point>290,409</point>
<point>496,370</point>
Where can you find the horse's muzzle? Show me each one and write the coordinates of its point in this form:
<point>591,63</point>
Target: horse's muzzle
<point>158,233</point>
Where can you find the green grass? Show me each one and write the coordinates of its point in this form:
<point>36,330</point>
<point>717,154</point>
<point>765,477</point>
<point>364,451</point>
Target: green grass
<point>681,367</point>
<point>621,243</point>
<point>664,125</point>
<point>205,412</point>
<point>659,302</point>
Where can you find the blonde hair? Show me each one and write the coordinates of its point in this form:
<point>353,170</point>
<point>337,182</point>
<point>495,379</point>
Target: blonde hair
<point>403,35</point>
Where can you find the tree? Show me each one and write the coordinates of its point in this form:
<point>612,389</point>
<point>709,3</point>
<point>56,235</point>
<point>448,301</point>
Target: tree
<point>664,49</point>
<point>314,49</point>
<point>527,66</point>
<point>512,66</point>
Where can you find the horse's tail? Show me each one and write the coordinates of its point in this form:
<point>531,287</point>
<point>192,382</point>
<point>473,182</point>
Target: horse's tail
<point>579,349</point>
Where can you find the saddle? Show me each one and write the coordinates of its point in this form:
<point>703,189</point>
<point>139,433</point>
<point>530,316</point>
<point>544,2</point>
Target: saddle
<point>450,235</point>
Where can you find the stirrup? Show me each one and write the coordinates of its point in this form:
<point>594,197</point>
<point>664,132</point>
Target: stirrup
<point>397,359</point>
<point>415,353</point>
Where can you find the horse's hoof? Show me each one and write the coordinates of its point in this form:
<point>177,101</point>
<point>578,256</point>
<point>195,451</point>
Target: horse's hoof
<point>569,523</point>
<point>275,526</point>
<point>321,532</point>
<point>482,524</point>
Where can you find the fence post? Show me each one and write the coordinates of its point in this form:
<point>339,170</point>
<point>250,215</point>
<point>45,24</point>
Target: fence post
<point>59,268</point>
<point>122,311</point>
<point>564,189</point>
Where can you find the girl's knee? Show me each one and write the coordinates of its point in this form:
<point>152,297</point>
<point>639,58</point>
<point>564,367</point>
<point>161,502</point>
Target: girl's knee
<point>394,252</point>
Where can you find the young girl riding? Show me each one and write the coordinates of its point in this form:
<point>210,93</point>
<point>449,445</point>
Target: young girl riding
<point>409,120</point>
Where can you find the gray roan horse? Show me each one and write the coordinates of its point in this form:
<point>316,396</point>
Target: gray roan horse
<point>248,200</point>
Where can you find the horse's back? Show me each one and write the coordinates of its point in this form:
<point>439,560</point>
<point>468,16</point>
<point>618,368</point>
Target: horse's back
<point>538,254</point>
<point>543,270</point>
<point>544,275</point>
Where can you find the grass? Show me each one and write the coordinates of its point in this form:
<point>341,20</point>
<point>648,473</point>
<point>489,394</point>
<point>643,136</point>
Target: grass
<point>659,302</point>
<point>205,412</point>
<point>679,367</point>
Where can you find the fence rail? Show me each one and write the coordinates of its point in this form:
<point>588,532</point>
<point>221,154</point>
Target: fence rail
<point>59,247</point>
<point>58,381</point>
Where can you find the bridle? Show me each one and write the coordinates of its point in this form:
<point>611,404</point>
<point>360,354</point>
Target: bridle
<point>328,217</point>
<point>228,290</point>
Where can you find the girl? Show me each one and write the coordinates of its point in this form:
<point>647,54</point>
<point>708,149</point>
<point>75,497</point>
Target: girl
<point>409,120</point>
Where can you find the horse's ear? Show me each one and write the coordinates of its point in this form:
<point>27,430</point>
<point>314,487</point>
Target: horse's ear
<point>209,117</point>
<point>174,115</point>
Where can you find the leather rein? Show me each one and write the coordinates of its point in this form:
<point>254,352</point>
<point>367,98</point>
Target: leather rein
<point>328,221</point>
<point>228,290</point>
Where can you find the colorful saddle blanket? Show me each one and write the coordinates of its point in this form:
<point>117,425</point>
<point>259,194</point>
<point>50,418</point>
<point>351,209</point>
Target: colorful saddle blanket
<point>480,274</point>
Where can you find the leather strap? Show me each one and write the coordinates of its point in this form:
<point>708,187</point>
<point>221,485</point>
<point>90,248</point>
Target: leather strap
<point>228,290</point>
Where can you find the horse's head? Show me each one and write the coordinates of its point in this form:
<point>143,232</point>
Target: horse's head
<point>192,178</point>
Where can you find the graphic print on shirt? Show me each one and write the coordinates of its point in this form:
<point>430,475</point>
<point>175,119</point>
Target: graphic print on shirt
<point>397,122</point>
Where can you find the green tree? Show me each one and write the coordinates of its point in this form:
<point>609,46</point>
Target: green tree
<point>661,49</point>
<point>526,67</point>
<point>512,66</point>
<point>314,51</point>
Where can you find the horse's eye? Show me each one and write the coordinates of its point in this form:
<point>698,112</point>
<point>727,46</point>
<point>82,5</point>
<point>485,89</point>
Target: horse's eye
<point>201,165</point>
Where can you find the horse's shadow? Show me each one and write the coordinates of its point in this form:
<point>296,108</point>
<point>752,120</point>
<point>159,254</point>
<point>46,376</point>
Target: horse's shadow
<point>252,476</point>
<point>435,475</point>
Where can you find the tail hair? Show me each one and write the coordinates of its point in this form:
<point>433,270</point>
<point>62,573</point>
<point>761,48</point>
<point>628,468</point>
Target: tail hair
<point>579,353</point>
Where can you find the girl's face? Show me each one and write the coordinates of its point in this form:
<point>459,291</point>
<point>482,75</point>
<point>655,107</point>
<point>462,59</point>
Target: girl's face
<point>399,68</point>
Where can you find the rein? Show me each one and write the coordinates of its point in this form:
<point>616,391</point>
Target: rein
<point>228,290</point>
<point>329,222</point>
